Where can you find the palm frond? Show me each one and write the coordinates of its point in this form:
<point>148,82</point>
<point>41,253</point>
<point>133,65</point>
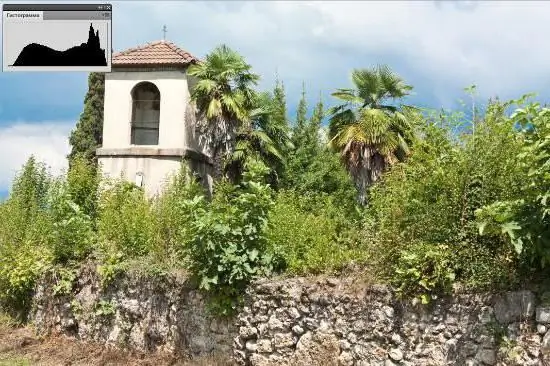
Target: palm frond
<point>368,85</point>
<point>214,108</point>
<point>341,119</point>
<point>347,95</point>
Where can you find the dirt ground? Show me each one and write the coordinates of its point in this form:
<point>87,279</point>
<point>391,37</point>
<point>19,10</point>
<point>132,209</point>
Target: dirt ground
<point>19,346</point>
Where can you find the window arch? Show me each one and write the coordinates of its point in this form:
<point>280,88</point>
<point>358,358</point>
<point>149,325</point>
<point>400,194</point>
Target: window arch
<point>145,114</point>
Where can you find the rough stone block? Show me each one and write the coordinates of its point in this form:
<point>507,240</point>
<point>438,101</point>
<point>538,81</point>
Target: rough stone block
<point>514,307</point>
<point>543,314</point>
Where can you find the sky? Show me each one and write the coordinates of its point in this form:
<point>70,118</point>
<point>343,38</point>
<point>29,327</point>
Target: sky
<point>439,47</point>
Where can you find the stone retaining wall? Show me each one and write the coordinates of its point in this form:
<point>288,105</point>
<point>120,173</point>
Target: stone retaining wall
<point>301,321</point>
<point>135,312</point>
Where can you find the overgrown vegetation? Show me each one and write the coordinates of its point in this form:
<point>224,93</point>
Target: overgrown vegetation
<point>443,198</point>
<point>424,224</point>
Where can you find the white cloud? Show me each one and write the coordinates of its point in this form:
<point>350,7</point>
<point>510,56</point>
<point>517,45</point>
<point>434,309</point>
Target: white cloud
<point>47,141</point>
<point>443,46</point>
<point>497,44</point>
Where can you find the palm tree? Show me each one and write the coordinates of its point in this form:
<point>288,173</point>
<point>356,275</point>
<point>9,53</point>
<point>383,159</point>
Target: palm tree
<point>223,95</point>
<point>370,134</point>
<point>263,138</point>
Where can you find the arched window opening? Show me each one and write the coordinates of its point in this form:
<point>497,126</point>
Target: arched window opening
<point>145,114</point>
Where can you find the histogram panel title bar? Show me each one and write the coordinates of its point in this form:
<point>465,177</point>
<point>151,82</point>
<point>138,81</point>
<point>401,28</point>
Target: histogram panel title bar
<point>57,7</point>
<point>57,37</point>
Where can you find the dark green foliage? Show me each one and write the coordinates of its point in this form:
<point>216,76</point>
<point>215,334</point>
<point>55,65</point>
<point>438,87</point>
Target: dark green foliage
<point>305,138</point>
<point>301,112</point>
<point>299,131</point>
<point>427,205</point>
<point>24,231</point>
<point>87,136</point>
<point>263,139</point>
<point>323,174</point>
<point>279,111</point>
<point>313,233</point>
<point>229,246</point>
<point>311,167</point>
<point>523,216</point>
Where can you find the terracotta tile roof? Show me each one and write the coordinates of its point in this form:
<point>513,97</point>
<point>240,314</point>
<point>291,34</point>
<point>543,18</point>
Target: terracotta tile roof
<point>154,53</point>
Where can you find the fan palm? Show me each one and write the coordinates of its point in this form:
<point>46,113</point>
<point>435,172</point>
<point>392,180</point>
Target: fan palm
<point>262,138</point>
<point>223,95</point>
<point>370,134</point>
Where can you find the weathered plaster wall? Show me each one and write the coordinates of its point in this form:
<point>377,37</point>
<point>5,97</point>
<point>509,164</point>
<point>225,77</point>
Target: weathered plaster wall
<point>156,166</point>
<point>174,99</point>
<point>302,321</point>
<point>178,137</point>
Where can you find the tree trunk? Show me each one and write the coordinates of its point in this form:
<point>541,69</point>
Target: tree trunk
<point>362,196</point>
<point>362,182</point>
<point>217,164</point>
<point>224,140</point>
<point>378,165</point>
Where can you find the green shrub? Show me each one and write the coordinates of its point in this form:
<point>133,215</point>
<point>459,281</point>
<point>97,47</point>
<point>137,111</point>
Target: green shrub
<point>174,216</point>
<point>127,227</point>
<point>432,198</point>
<point>423,270</point>
<point>25,227</point>
<point>83,182</point>
<point>72,236</point>
<point>311,233</point>
<point>523,217</point>
<point>229,244</point>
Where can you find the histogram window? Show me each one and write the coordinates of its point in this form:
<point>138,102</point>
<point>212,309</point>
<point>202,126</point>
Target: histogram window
<point>56,37</point>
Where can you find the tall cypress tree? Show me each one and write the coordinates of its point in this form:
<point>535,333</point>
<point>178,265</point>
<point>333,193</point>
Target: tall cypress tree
<point>87,136</point>
<point>314,126</point>
<point>301,112</point>
<point>279,100</point>
<point>318,114</point>
<point>311,166</point>
<point>300,158</point>
<point>299,129</point>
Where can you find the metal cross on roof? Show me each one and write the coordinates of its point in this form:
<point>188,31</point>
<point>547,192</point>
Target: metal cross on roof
<point>164,32</point>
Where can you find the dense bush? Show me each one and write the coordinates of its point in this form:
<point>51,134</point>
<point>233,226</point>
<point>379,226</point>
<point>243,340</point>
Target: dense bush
<point>126,223</point>
<point>72,234</point>
<point>174,214</point>
<point>423,223</point>
<point>229,245</point>
<point>83,185</point>
<point>423,269</point>
<point>312,233</point>
<point>126,227</point>
<point>523,216</point>
<point>25,229</point>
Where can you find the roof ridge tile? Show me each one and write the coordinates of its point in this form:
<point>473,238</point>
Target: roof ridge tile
<point>154,53</point>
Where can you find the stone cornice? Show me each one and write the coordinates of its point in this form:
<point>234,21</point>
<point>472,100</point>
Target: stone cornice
<point>147,152</point>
